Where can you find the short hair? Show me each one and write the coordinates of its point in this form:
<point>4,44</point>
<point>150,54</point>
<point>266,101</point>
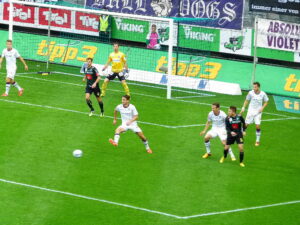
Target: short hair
<point>153,25</point>
<point>9,41</point>
<point>126,96</point>
<point>89,59</point>
<point>256,83</point>
<point>116,43</point>
<point>216,104</point>
<point>233,108</point>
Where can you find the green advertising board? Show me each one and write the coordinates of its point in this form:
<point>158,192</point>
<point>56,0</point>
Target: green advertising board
<point>287,104</point>
<point>128,29</point>
<point>275,80</point>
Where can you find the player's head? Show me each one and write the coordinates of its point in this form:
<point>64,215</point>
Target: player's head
<point>256,86</point>
<point>89,61</point>
<point>9,44</point>
<point>116,47</point>
<point>215,107</point>
<point>232,111</point>
<point>125,99</point>
<point>153,28</point>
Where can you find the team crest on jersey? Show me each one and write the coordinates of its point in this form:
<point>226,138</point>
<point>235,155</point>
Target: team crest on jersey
<point>230,120</point>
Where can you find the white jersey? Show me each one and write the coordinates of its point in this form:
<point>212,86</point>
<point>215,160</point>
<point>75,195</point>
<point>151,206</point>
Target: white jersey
<point>127,113</point>
<point>11,57</point>
<point>218,121</point>
<point>256,100</point>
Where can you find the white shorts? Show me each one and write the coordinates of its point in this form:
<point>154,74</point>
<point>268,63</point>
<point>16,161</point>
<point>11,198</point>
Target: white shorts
<point>215,132</point>
<point>135,128</point>
<point>11,72</point>
<point>253,117</point>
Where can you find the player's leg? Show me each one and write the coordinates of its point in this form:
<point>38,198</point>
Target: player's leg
<point>7,87</point>
<point>229,150</point>
<point>16,85</point>
<point>116,139</point>
<point>104,85</point>
<point>223,137</point>
<point>226,149</point>
<point>124,84</point>
<point>97,93</point>
<point>89,102</point>
<point>207,138</point>
<point>241,149</point>
<point>257,121</point>
<point>145,141</point>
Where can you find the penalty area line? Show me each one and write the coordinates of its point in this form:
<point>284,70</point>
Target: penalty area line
<point>145,209</point>
<point>75,111</point>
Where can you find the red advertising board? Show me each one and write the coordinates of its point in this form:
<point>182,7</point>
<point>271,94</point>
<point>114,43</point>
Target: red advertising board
<point>21,13</point>
<point>59,17</point>
<point>87,22</point>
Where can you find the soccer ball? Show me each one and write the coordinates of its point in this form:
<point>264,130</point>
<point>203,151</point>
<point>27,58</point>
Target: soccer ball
<point>77,153</point>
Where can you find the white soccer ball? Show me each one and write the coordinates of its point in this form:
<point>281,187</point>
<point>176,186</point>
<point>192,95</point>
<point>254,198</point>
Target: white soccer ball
<point>77,153</point>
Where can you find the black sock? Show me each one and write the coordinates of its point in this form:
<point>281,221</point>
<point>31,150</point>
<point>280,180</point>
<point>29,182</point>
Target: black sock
<point>101,106</point>
<point>241,157</point>
<point>89,102</point>
<point>225,153</point>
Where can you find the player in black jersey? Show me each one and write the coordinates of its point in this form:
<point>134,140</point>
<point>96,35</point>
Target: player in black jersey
<point>92,79</point>
<point>235,127</point>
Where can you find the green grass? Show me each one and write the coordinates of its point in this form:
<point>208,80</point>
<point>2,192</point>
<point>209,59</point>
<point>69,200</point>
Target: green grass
<point>37,144</point>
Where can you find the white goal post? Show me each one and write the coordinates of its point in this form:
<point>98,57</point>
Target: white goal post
<point>169,21</point>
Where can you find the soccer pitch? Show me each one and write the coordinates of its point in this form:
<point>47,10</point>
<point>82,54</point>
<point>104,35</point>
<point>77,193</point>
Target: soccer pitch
<point>42,183</point>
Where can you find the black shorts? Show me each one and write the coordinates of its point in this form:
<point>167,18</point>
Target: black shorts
<point>239,139</point>
<point>96,90</point>
<point>114,75</point>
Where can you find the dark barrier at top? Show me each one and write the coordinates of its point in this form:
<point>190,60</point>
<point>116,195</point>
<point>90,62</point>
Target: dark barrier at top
<point>286,7</point>
<point>221,13</point>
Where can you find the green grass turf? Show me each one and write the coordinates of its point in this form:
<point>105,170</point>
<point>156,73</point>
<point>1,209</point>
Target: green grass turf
<point>37,145</point>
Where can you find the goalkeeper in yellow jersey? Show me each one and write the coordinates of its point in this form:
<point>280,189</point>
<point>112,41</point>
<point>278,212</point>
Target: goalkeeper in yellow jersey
<point>119,69</point>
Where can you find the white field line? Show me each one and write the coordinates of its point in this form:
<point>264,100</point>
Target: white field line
<point>141,94</point>
<point>266,120</point>
<point>89,198</point>
<point>75,111</point>
<point>145,209</point>
<point>241,209</point>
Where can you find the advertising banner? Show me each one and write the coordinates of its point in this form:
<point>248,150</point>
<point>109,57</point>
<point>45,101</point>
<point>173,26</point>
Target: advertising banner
<point>61,19</point>
<point>236,42</point>
<point>275,80</point>
<point>286,7</point>
<point>220,13</point>
<point>287,104</point>
<point>279,35</point>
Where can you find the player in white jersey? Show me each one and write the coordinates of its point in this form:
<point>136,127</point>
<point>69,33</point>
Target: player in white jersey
<point>258,102</point>
<point>11,55</point>
<point>216,118</point>
<point>129,116</point>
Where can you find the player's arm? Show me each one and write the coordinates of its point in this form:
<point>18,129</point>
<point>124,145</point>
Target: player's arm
<point>107,64</point>
<point>266,101</point>
<point>24,63</point>
<point>243,125</point>
<point>207,125</point>
<point>134,118</point>
<point>1,59</point>
<point>115,116</point>
<point>98,78</point>
<point>246,102</point>
<point>228,128</point>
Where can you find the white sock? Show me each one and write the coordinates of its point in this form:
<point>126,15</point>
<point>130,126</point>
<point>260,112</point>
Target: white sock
<point>231,153</point>
<point>207,146</point>
<point>7,88</point>
<point>116,138</point>
<point>146,145</point>
<point>258,133</point>
<point>16,85</point>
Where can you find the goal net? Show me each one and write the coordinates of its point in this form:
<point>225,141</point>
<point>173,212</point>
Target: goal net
<point>57,40</point>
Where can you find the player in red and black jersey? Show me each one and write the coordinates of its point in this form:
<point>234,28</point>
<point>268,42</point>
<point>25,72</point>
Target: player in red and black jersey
<point>235,127</point>
<point>92,78</point>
